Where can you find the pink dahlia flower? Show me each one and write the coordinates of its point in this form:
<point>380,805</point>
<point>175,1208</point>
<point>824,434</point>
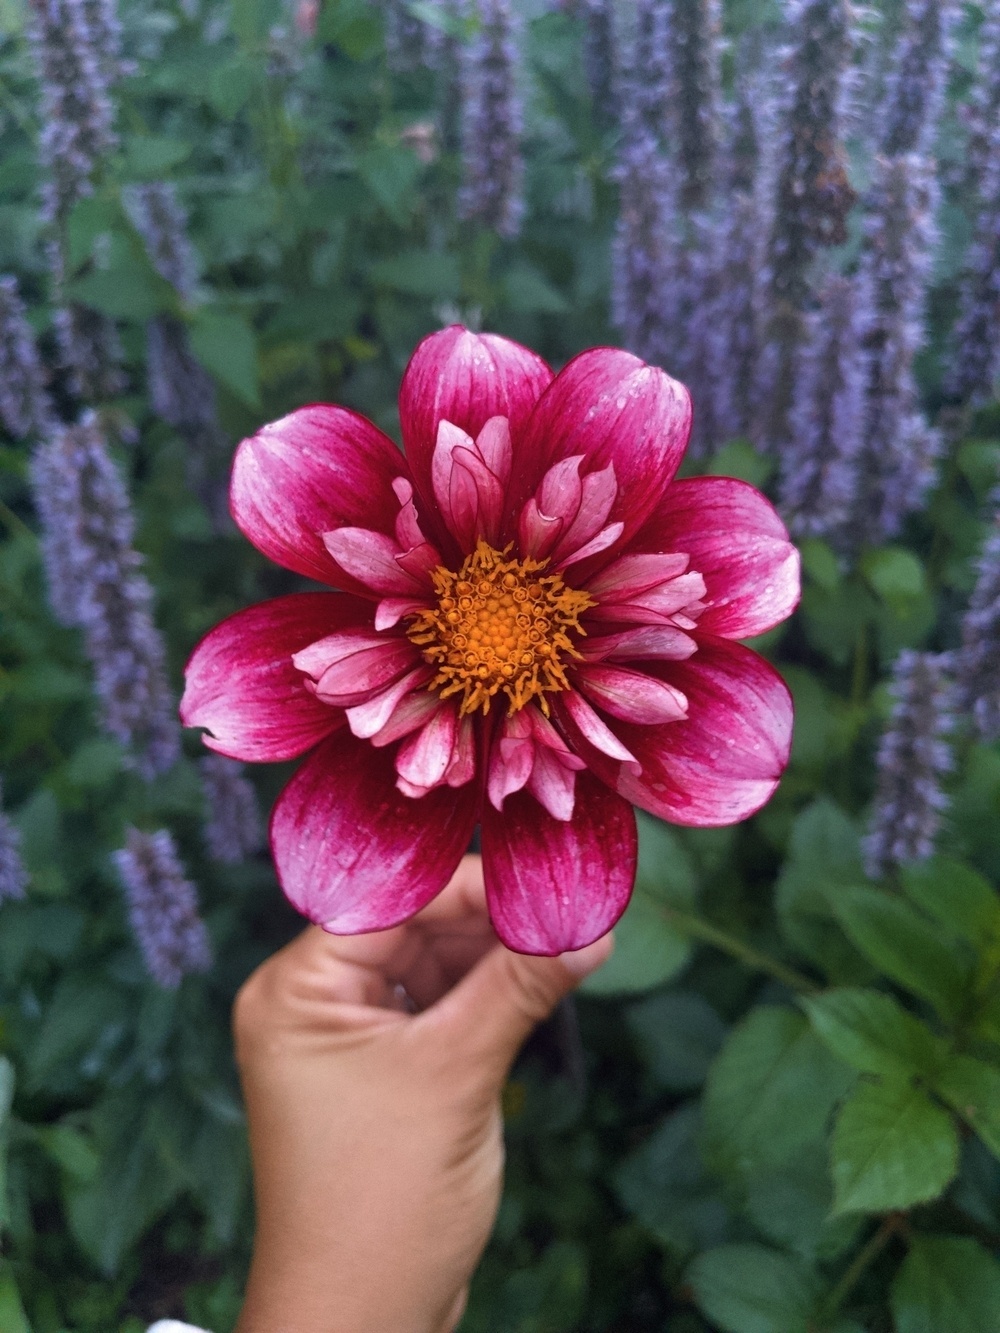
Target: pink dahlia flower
<point>534,629</point>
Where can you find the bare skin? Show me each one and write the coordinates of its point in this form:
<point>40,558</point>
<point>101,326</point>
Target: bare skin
<point>375,1130</point>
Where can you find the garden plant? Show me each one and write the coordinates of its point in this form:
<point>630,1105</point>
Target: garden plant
<point>776,1109</point>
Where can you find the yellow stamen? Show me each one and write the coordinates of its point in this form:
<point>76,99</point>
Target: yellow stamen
<point>499,624</point>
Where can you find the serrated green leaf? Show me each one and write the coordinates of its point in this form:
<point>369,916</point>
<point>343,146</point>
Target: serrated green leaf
<point>874,1033</point>
<point>972,1088</point>
<point>892,1147</point>
<point>752,1289</point>
<point>770,1092</point>
<point>678,1035</point>
<point>906,947</point>
<point>75,1020</point>
<point>955,895</point>
<point>946,1284</point>
<point>226,346</point>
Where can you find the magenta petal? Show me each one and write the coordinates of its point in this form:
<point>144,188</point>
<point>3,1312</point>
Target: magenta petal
<point>726,758</point>
<point>423,760</point>
<point>348,668</point>
<point>241,684</point>
<point>352,853</point>
<point>609,406</point>
<point>595,731</point>
<point>318,469</point>
<point>739,544</point>
<point>465,378</point>
<point>370,557</point>
<point>632,696</point>
<point>370,717</point>
<point>553,885</point>
<point>552,784</point>
<point>647,643</point>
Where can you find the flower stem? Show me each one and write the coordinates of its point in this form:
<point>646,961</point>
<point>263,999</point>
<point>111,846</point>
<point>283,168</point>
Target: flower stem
<point>864,1257</point>
<point>689,924</point>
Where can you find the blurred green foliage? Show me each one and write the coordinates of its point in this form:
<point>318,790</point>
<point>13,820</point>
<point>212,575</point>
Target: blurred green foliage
<point>792,1113</point>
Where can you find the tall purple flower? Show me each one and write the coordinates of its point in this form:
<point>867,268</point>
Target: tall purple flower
<point>75,44</point>
<point>233,829</point>
<point>819,465</point>
<point>914,757</point>
<point>981,113</point>
<point>25,407</point>
<point>812,193</point>
<point>646,246</point>
<point>733,336</point>
<point>162,908</point>
<point>899,449</point>
<point>181,391</point>
<point>492,164</point>
<point>13,876</point>
<point>599,50</point>
<point>692,32</point>
<point>77,52</point>
<point>974,360</point>
<point>96,583</point>
<point>979,657</point>
<point>907,113</point>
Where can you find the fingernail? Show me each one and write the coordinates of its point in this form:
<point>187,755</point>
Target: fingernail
<point>581,962</point>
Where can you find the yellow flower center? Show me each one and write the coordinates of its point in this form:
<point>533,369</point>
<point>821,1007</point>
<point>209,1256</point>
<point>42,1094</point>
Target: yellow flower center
<point>499,624</point>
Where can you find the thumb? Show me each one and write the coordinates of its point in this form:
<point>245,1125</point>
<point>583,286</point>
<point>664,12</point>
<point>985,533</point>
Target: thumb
<point>493,1009</point>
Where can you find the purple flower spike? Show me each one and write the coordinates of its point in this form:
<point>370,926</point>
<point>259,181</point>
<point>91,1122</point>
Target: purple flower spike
<point>899,449</point>
<point>25,408</point>
<point>913,758</point>
<point>13,876</point>
<point>908,112</point>
<point>162,908</point>
<point>96,583</point>
<point>975,352</point>
<point>979,657</point>
<point>819,467</point>
<point>492,164</point>
<point>233,829</point>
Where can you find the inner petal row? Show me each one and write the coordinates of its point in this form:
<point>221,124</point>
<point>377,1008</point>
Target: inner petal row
<point>500,624</point>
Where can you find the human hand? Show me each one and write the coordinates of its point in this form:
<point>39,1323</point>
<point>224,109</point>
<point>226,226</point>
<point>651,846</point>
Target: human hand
<point>375,1132</point>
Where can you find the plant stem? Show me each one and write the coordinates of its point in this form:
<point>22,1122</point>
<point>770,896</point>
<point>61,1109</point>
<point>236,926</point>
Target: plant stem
<point>689,924</point>
<point>865,1256</point>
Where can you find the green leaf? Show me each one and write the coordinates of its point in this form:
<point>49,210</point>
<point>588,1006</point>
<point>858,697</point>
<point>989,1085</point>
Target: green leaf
<point>419,273</point>
<point>678,1036</point>
<point>663,1184</point>
<point>956,896</point>
<point>390,174</point>
<point>790,1206</point>
<point>820,563</point>
<point>905,946</point>
<point>226,346</point>
<point>231,85</point>
<point>972,1088</point>
<point>894,573</point>
<point>151,156</point>
<point>946,1284</point>
<point>874,1033</point>
<point>892,1147</point>
<point>75,1021</point>
<point>527,290</point>
<point>6,1101</point>
<point>70,1149</point>
<point>12,1316</point>
<point>740,459</point>
<point>770,1092</point>
<point>824,857</point>
<point>648,952</point>
<point>752,1289</point>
